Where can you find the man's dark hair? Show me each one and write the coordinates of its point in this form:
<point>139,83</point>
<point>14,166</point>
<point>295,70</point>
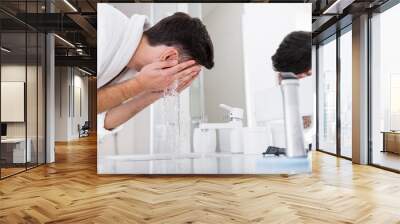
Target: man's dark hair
<point>187,33</point>
<point>294,53</point>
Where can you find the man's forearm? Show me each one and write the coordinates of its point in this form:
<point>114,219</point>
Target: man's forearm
<point>126,111</point>
<point>112,96</point>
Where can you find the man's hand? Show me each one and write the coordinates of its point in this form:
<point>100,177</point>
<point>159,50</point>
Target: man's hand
<point>187,81</point>
<point>159,75</point>
<point>152,78</point>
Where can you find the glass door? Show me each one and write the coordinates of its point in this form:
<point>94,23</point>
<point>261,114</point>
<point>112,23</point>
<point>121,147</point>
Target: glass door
<point>22,77</point>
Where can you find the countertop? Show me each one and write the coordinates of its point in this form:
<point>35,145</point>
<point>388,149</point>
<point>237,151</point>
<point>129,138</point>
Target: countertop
<point>212,163</point>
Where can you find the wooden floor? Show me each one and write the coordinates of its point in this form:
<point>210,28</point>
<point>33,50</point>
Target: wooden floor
<point>70,191</point>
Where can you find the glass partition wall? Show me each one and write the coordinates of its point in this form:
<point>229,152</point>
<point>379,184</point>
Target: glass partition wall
<point>383,94</point>
<point>334,58</point>
<point>327,95</point>
<point>385,89</point>
<point>22,88</point>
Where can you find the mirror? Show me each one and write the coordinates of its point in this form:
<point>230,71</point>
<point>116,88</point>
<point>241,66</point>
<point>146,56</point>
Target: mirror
<point>234,109</point>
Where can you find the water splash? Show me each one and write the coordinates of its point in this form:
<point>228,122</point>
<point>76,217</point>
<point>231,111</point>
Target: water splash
<point>168,130</point>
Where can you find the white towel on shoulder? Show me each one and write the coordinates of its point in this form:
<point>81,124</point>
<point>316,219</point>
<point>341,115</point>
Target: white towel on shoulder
<point>117,39</point>
<point>118,36</point>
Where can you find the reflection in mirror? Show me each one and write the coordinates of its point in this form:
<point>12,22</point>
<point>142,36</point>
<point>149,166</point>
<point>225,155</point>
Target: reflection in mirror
<point>244,79</point>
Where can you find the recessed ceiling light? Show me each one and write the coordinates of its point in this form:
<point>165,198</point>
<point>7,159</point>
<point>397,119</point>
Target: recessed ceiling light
<point>70,5</point>
<point>5,50</point>
<point>338,6</point>
<point>64,40</point>
<point>84,71</point>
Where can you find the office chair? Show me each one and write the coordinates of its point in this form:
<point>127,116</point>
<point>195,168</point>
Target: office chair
<point>84,130</point>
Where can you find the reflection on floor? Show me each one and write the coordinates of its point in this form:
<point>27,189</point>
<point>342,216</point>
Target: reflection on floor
<point>387,159</point>
<point>10,171</point>
<point>70,191</point>
<point>347,152</point>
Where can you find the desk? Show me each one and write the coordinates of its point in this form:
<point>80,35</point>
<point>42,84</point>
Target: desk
<point>391,141</point>
<point>15,147</point>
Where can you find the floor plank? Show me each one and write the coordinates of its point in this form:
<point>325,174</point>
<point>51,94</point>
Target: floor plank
<point>70,191</point>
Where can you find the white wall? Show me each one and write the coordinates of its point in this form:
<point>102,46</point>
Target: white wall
<point>67,82</point>
<point>61,103</point>
<point>225,82</point>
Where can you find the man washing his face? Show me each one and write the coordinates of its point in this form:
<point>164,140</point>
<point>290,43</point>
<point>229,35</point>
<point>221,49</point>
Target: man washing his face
<point>136,64</point>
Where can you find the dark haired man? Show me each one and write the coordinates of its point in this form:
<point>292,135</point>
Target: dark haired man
<point>173,49</point>
<point>294,54</point>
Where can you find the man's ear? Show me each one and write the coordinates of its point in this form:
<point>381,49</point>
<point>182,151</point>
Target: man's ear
<point>170,53</point>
